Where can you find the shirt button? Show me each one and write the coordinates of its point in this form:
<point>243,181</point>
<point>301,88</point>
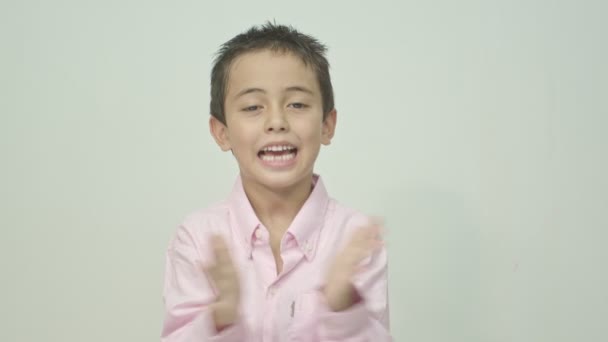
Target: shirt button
<point>272,291</point>
<point>258,233</point>
<point>308,246</point>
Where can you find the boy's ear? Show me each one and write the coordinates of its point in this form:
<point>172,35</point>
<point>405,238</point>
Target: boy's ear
<point>329,127</point>
<point>219,131</point>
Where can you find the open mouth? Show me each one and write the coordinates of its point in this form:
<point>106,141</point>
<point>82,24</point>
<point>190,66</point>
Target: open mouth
<point>278,153</point>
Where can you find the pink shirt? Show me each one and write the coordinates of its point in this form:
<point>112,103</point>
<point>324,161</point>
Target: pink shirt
<point>284,307</point>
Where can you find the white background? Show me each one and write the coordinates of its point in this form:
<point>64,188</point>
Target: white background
<point>476,128</point>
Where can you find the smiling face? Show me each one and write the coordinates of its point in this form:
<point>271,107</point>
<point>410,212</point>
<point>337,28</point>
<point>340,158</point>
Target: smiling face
<point>274,119</point>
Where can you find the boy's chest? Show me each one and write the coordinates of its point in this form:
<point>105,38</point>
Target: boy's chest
<point>280,305</point>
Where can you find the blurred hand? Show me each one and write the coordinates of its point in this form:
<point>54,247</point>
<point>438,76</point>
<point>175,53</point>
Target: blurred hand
<point>224,278</point>
<point>339,291</point>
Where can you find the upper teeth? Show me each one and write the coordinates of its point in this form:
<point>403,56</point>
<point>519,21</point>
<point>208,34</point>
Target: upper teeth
<point>278,148</point>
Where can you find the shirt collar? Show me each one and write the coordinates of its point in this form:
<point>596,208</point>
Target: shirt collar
<point>305,227</point>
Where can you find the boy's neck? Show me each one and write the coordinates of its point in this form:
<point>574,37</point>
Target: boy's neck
<point>277,209</point>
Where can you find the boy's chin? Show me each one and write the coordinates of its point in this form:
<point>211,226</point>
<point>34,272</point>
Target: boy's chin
<point>280,181</point>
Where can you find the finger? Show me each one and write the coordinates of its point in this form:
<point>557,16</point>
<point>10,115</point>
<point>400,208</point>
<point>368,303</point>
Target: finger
<point>375,238</point>
<point>376,221</point>
<point>376,230</point>
<point>371,242</point>
<point>364,241</point>
<point>355,255</point>
<point>360,235</point>
<point>376,245</point>
<point>367,236</point>
<point>220,250</point>
<point>210,272</point>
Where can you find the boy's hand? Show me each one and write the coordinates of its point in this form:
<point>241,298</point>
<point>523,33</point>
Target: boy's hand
<point>339,291</point>
<point>225,280</point>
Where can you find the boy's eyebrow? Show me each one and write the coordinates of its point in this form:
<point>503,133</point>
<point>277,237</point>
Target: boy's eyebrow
<point>300,88</point>
<point>249,91</point>
<point>260,90</point>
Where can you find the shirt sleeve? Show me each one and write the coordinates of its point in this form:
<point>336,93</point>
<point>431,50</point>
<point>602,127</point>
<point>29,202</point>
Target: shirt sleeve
<point>367,320</point>
<point>187,295</point>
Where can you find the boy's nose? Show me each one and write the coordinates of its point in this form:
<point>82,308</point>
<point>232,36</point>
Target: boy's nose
<point>277,122</point>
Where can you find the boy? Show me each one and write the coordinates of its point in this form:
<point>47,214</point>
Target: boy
<point>279,260</point>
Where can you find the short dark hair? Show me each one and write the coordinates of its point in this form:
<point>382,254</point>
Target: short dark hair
<point>279,38</point>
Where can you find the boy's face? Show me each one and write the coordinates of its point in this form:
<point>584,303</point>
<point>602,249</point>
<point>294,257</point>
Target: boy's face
<point>274,119</point>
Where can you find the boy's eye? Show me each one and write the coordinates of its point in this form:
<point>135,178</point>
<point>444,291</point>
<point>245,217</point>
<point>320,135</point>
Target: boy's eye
<point>251,108</point>
<point>298,105</point>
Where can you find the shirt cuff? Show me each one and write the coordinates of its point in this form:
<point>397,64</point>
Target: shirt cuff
<point>342,324</point>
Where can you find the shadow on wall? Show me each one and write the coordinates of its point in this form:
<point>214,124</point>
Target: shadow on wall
<point>434,265</point>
